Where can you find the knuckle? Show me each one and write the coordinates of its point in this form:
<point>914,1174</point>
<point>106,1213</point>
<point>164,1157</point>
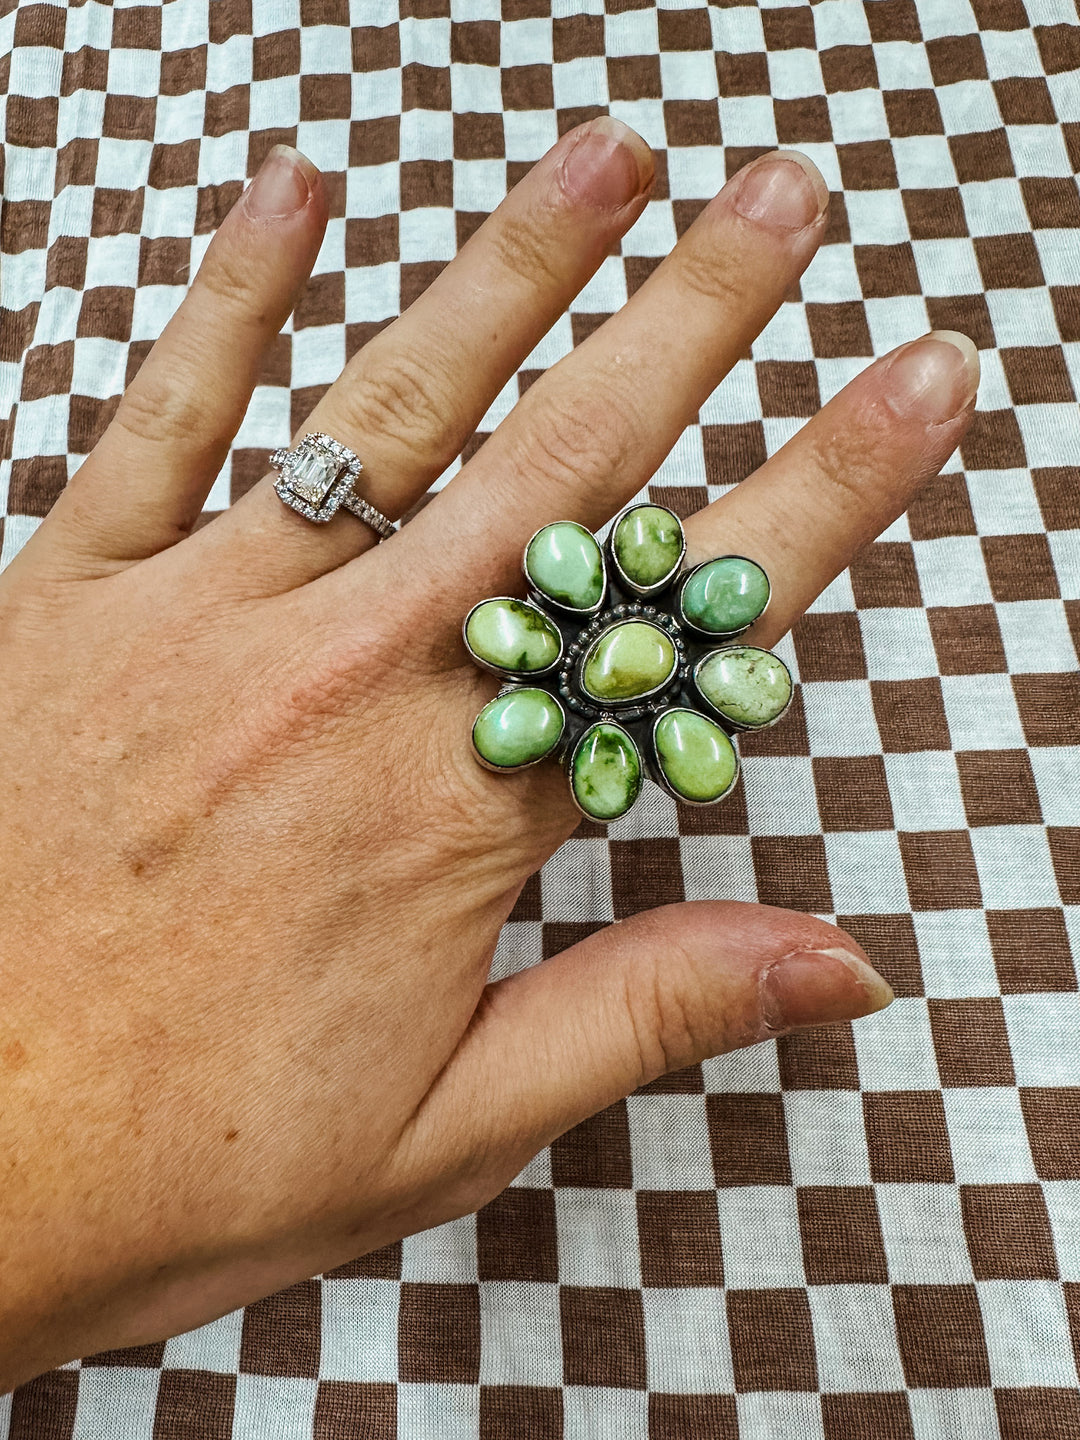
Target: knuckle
<point>161,408</point>
<point>844,465</point>
<point>402,397</point>
<point>522,248</point>
<point>578,441</point>
<point>702,273</point>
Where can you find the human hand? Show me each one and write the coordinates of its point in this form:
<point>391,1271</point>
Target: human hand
<point>252,876</point>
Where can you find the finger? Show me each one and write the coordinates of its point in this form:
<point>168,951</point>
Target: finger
<point>408,401</point>
<point>847,474</point>
<point>589,434</point>
<point>553,1044</point>
<point>147,479</point>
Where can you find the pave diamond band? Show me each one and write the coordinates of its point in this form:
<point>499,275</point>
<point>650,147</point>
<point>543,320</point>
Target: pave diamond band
<point>316,480</point>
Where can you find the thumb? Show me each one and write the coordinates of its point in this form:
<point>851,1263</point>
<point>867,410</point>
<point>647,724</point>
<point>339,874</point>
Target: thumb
<point>554,1044</point>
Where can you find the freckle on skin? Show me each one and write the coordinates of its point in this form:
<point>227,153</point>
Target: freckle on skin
<point>230,1135</point>
<point>14,1055</point>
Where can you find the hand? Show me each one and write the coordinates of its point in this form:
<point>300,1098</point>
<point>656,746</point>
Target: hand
<point>252,876</point>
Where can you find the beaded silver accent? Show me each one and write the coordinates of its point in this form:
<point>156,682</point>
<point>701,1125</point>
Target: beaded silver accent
<point>317,479</point>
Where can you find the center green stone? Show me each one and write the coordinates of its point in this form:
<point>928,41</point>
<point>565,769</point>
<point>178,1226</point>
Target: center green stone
<point>564,562</point>
<point>605,772</point>
<point>647,542</point>
<point>747,686</point>
<point>630,659</point>
<point>725,596</point>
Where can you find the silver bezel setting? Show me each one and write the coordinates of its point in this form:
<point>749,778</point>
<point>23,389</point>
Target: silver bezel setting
<point>571,758</point>
<point>631,701</point>
<point>538,596</point>
<point>726,721</point>
<point>519,677</point>
<point>719,635</point>
<point>643,591</point>
<point>657,770</point>
<point>513,769</point>
<point>325,447</point>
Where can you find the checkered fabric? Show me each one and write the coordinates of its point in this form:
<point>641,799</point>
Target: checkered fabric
<point>869,1232</point>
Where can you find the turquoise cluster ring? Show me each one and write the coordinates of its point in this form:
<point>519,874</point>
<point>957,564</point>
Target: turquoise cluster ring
<point>623,663</point>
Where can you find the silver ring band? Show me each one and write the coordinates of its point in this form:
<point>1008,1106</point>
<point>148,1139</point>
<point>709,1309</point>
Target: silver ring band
<point>317,478</point>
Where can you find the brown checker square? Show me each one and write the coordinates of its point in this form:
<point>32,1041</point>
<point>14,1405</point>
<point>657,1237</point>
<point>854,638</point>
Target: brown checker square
<point>76,163</point>
<point>839,330</point>
<point>525,87</point>
<point>853,792</point>
<point>66,263</point>
<point>440,9</point>
<point>508,1412</point>
<point>692,1417</point>
<point>261,142</point>
<point>748,1138</point>
<point>789,737</point>
<point>194,1405</point>
<point>567,119</point>
<point>1066,302</point>
<point>913,112</point>
<point>439,1334</point>
<point>942,505</point>
<point>381,1264</point>
<point>345,1409</point>
<point>32,122</point>
<point>644,874</point>
<point>736,156</point>
<point>85,69</point>
<point>691,122</point>
<point>275,55</point>
<point>804,121</point>
<point>1008,262</point>
<point>473,42</point>
<point>325,97</point>
<point>1065,852</point>
<point>1053,201</point>
<point>870,1416</point>
<point>174,165</point>
<point>106,311</point>
<point>248,466</point>
<point>229,17</point>
<point>1025,100</point>
<point>21,327</point>
<point>634,77</point>
<point>956,57</point>
<point>867,165</point>
<point>1037,374</point>
<point>789,28</point>
<point>1000,14</point>
<point>324,12</point>
<point>24,225</point>
<point>967,639</point>
<point>371,241</point>
<point>841,1235</point>
<point>893,20</point>
<point>998,787</point>
<point>427,87</point>
<point>1072,619</point>
<point>574,35</point>
<point>941,1337</point>
<point>1048,706</point>
<point>934,214</point>
<point>415,279</point>
<point>559,935</point>
<point>829,646</point>
<point>529,904</point>
<point>44,1409</point>
<point>740,75</point>
<point>884,574</point>
<point>993,442</point>
<point>772,1337</point>
<point>1059,46</point>
<point>1058,490</point>
<point>1037,1411</point>
<point>377,47</point>
<point>940,870</point>
<point>788,387</point>
<point>38,25</point>
<point>603,1335</point>
<point>136,27</point>
<point>792,872</point>
<point>129,116</point>
<point>733,451</point>
<point>226,110</point>
<point>479,137</point>
<point>1072,1307</point>
<point>907,1137</point>
<point>819,1059</point>
<point>516,1237</point>
<point>837,225</point>
<point>887,270</point>
<point>637,269</point>
<point>1008,1232</point>
<point>466,224</point>
<point>684,30</point>
<point>849,67</point>
<point>679,1235</point>
<point>1031,951</point>
<point>584,325</point>
<point>282,1333</point>
<point>890,942</point>
<point>971,1042</point>
<point>142,1357</point>
<point>47,370</point>
<point>87,421</point>
<point>1052,1117</point>
<point>596,1153</point>
<point>374,142</point>
<point>690,1080</point>
<point>322,301</point>
<point>426,182</point>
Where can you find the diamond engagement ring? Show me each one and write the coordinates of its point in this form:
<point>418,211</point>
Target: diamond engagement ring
<point>316,480</point>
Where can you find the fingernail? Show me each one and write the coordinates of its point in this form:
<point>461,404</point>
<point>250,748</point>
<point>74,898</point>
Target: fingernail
<point>783,190</point>
<point>281,185</point>
<point>815,987</point>
<point>935,377</point>
<point>608,166</point>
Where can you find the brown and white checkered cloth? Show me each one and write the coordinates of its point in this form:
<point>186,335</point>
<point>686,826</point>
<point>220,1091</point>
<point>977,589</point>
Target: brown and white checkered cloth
<point>865,1233</point>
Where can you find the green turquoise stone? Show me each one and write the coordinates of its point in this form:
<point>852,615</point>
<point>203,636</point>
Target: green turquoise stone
<point>564,562</point>
<point>726,595</point>
<point>750,687</point>
<point>512,635</point>
<point>630,658</point>
<point>605,772</point>
<point>647,542</point>
<point>517,728</point>
<point>697,758</point>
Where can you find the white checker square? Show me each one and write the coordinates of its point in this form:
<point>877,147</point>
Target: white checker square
<point>895,1048</point>
<point>922,1228</point>
<point>1042,1037</point>
<point>738,30</point>
<point>747,119</point>
<point>633,32</point>
<point>1027,1333</point>
<point>826,1137</point>
<point>753,1070</point>
<point>525,42</point>
<point>528,133</point>
<point>647,118</point>
<point>760,1236</point>
<point>968,106</point>
<point>1055,770</point>
<point>596,1413</point>
<point>794,74</point>
<point>215,1346</point>
<point>950,1414</point>
<point>837,22</point>
<point>1011,53</point>
<point>688,75</point>
<point>855,1338</point>
<point>840,718</point>
<point>836,596</point>
<point>711,869</point>
<point>1036,638</point>
<point>1057,254</point>
<point>897,643</point>
<point>478,88</point>
<point>786,336</point>
<point>780,795</point>
<point>1063,1207</point>
<point>1038,150</point>
<point>520,945</point>
<point>994,207</point>
<point>444,1253</point>
<point>924,788</point>
<point>923,162</point>
<point>994,392</point>
<point>856,116</point>
<point>108,1390</point>
<point>427,233</point>
<point>767,1414</point>
<point>877,217</point>
<point>669,1142</point>
<point>371,191</point>
<point>982,713</point>
<point>945,17</point>
<point>347,1353</point>
<point>269,1406</point>
<point>423,135</point>
<point>831,276</point>
<point>1014,865</point>
<point>687,1345</point>
<point>1064,96</point>
<point>947,267</point>
<point>900,65</point>
<point>894,320</point>
<point>988,1136</point>
<point>598,1236</point>
<point>520,1333</point>
<point>693,172</point>
<point>1003,502</point>
<point>736,399</point>
<point>433,1411</point>
<point>866,873</point>
<point>954,953</point>
<point>605,292</point>
<point>108,256</point>
<point>576,882</point>
<point>1050,432</point>
<point>581,81</point>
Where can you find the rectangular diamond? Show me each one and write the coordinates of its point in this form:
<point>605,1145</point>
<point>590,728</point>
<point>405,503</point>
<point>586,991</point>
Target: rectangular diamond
<point>311,475</point>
